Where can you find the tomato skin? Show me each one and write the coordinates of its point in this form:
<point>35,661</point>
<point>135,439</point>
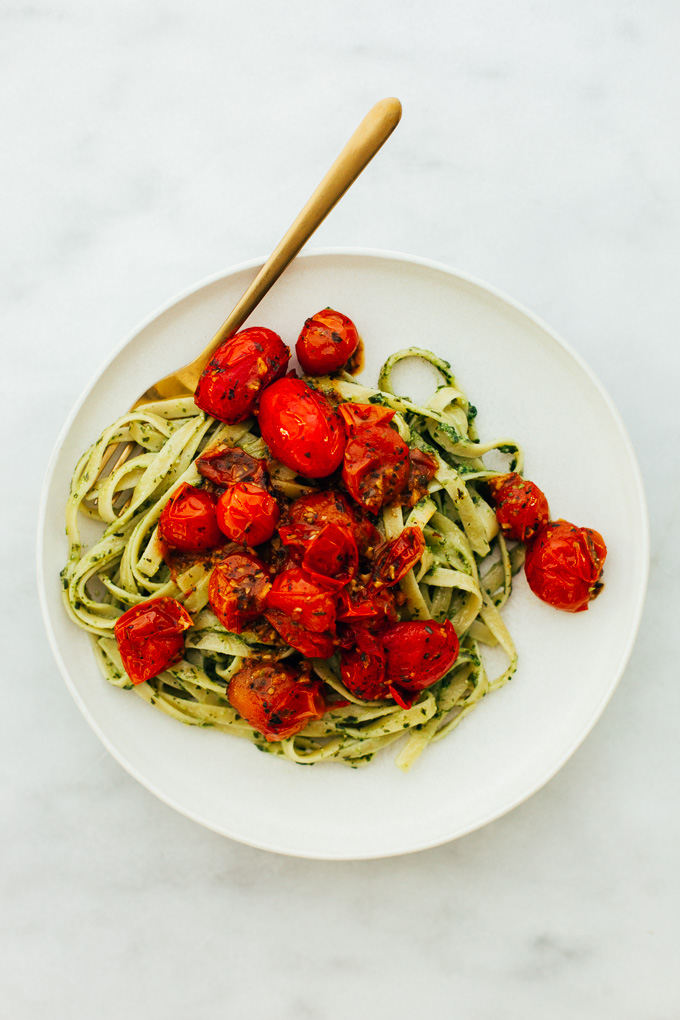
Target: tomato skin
<point>422,469</point>
<point>274,699</point>
<point>419,652</point>
<point>237,590</point>
<point>331,557</point>
<point>563,565</point>
<point>376,466</point>
<point>188,521</point>
<point>247,513</point>
<point>369,607</point>
<point>394,559</point>
<point>238,371</point>
<point>308,515</point>
<point>225,465</point>
<point>521,507</point>
<point>362,667</point>
<point>301,428</point>
<point>303,599</point>
<point>327,342</point>
<point>149,637</point>
<point>356,416</point>
<point>308,643</point>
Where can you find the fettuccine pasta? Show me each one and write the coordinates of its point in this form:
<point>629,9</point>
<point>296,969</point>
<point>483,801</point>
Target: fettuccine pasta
<point>464,575</point>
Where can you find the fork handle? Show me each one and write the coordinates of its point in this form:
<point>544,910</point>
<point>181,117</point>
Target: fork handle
<point>369,137</point>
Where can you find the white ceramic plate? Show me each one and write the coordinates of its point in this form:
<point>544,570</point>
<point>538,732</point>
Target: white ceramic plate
<point>527,383</point>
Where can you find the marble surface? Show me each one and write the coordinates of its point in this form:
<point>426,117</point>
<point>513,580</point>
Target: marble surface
<point>145,146</point>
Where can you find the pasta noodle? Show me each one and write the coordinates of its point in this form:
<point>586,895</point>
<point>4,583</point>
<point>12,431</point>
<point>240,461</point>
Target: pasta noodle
<point>465,574</point>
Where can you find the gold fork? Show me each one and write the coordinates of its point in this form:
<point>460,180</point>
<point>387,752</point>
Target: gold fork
<point>369,137</point>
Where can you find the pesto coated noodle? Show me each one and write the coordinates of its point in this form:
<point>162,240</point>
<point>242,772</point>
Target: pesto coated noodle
<point>465,573</point>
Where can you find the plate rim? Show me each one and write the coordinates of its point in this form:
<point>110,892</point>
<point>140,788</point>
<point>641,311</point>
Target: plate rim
<point>392,256</point>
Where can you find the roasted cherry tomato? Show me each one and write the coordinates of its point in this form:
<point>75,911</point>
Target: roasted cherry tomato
<point>521,507</point>
<point>563,565</point>
<point>226,465</point>
<point>331,557</point>
<point>303,599</point>
<point>274,699</point>
<point>306,517</point>
<point>238,371</point>
<point>394,559</point>
<point>370,607</point>
<point>421,470</point>
<point>301,428</point>
<point>149,637</point>
<point>362,667</point>
<point>327,342</point>
<point>188,521</point>
<point>376,465</point>
<point>307,642</point>
<point>247,513</point>
<point>356,416</point>
<point>237,589</point>
<point>419,652</point>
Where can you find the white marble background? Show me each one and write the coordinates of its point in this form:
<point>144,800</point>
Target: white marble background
<point>145,145</point>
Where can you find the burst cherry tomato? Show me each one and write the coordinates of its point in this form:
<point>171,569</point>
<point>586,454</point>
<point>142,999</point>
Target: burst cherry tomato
<point>369,607</point>
<point>247,513</point>
<point>303,599</point>
<point>362,667</point>
<point>307,642</point>
<point>237,590</point>
<point>274,699</point>
<point>238,371</point>
<point>356,416</point>
<point>376,466</point>
<point>331,557</point>
<point>419,652</point>
<point>521,507</point>
<point>394,559</point>
<point>563,565</point>
<point>149,637</point>
<point>422,469</point>
<point>225,465</point>
<point>306,517</point>
<point>327,342</point>
<point>301,428</point>
<point>188,521</point>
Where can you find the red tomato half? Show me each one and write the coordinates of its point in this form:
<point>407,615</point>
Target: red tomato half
<point>308,515</point>
<point>274,700</point>
<point>563,565</point>
<point>422,469</point>
<point>188,521</point>
<point>419,652</point>
<point>149,637</point>
<point>376,466</point>
<point>301,428</point>
<point>247,513</point>
<point>356,416</point>
<point>370,607</point>
<point>362,667</point>
<point>327,342</point>
<point>237,590</point>
<point>394,559</point>
<point>521,507</point>
<point>238,371</point>
<point>226,465</point>
<point>303,599</point>
<point>331,557</point>
<point>308,643</point>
